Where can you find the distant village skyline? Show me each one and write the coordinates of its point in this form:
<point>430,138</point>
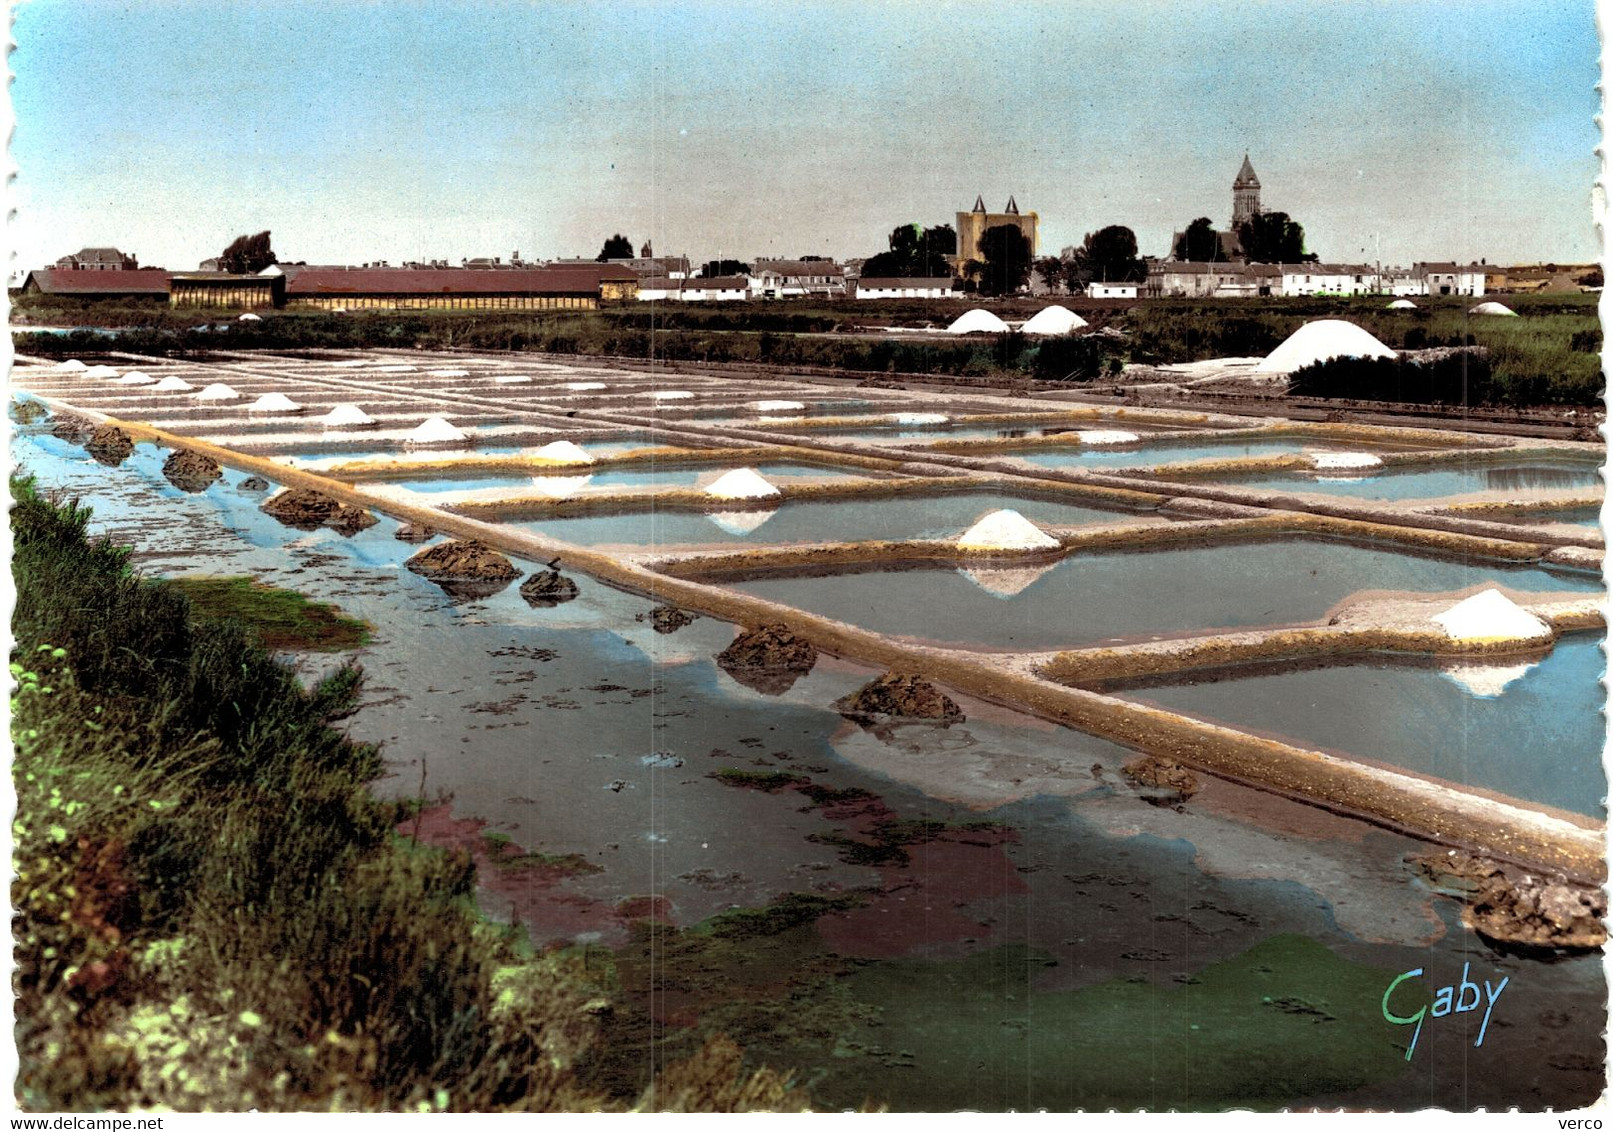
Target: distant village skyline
<point>432,131</point>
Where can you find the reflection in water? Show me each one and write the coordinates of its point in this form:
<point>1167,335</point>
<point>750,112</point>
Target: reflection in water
<point>1538,478</point>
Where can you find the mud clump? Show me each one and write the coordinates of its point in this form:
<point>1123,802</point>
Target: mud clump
<point>669,619</point>
<point>1172,781</point>
<point>71,428</point>
<point>414,532</point>
<point>895,698</point>
<point>769,659</point>
<point>770,647</point>
<point>349,521</point>
<point>1518,911</point>
<point>1535,914</point>
<point>462,560</point>
<point>302,507</point>
<point>254,483</point>
<point>109,445</point>
<point>189,470</point>
<point>28,412</point>
<point>548,588</point>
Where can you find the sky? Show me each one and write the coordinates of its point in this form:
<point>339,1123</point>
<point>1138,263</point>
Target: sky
<point>359,131</point>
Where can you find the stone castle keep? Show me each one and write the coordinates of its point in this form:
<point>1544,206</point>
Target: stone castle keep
<point>973,224</point>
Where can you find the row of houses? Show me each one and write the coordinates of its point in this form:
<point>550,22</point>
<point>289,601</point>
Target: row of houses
<point>341,289</point>
<point>1179,279</point>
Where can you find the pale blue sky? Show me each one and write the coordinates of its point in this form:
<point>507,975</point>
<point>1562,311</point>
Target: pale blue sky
<point>389,130</point>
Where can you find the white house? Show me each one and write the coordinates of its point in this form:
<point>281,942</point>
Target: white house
<point>1329,279</point>
<point>1096,290</point>
<point>791,278</point>
<point>726,288</point>
<point>1453,279</point>
<point>940,288</point>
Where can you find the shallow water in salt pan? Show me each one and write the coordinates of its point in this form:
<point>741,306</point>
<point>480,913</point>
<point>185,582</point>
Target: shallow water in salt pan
<point>1537,737</point>
<point>1510,478</point>
<point>1157,455</point>
<point>648,477</point>
<point>849,520</point>
<point>1093,596</point>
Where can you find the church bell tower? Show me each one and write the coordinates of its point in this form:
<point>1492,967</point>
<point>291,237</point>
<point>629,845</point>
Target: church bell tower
<point>1245,194</point>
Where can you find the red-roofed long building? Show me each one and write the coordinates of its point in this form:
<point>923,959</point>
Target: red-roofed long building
<point>77,283</point>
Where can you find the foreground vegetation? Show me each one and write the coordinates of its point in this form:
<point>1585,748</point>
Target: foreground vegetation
<point>1549,356</point>
<point>211,911</point>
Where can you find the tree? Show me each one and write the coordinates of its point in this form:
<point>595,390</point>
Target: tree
<point>1111,255</point>
<point>915,252</point>
<point>617,247</point>
<point>1200,243</point>
<point>718,268</point>
<point>1051,270</point>
<point>1007,255</point>
<point>247,255</point>
<point>1271,237</point>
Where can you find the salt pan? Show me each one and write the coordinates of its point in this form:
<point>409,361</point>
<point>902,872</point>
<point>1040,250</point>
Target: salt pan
<point>274,403</point>
<point>346,416</point>
<point>1006,530</point>
<point>436,430</point>
<point>1053,320</point>
<point>1345,460</point>
<point>977,321</point>
<point>1491,616</point>
<point>563,452</point>
<point>741,483</point>
<point>1319,341</point>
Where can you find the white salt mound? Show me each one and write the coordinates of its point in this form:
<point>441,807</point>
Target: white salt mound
<point>436,430</point>
<point>741,483</point>
<point>249,317</point>
<point>510,378</point>
<point>399,368</point>
<point>274,403</point>
<point>350,363</point>
<point>776,406</point>
<point>137,377</point>
<point>672,395</point>
<point>584,386</point>
<point>217,391</point>
<point>1320,340</point>
<point>919,418</point>
<point>448,373</point>
<point>1491,616</point>
<point>346,416</point>
<point>1005,581</point>
<point>101,371</point>
<point>740,522</point>
<point>1402,305</point>
<point>563,452</point>
<point>560,487</point>
<point>1486,681</point>
<point>1053,320</point>
<point>1107,436</point>
<point>71,365</point>
<point>1345,460</point>
<point>977,321</point>
<point>173,383</point>
<point>1006,530</point>
<point>1493,308</point>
